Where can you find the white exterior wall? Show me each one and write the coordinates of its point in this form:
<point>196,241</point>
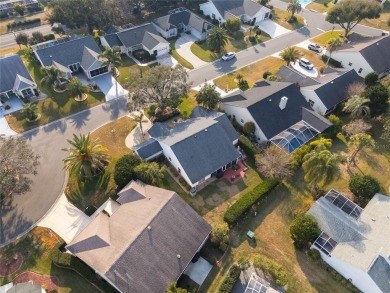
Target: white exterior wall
<point>244,115</point>
<point>209,8</point>
<point>318,106</point>
<point>260,15</point>
<point>162,49</point>
<point>356,59</point>
<point>360,279</point>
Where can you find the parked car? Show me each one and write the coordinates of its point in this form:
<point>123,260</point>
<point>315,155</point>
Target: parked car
<point>315,48</point>
<point>228,56</point>
<point>306,63</point>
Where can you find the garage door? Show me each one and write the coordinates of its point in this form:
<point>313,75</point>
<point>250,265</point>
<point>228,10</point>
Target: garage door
<point>196,34</point>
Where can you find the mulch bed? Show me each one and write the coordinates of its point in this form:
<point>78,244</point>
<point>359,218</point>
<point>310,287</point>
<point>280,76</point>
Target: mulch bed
<point>48,282</point>
<point>8,266</point>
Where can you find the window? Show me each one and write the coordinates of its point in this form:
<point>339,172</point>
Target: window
<point>99,71</point>
<point>242,120</point>
<point>213,16</point>
<point>311,103</point>
<point>350,63</point>
<point>360,70</point>
<point>74,67</point>
<point>178,170</point>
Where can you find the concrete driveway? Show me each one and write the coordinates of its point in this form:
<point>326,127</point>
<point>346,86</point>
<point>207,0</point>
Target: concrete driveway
<point>108,86</point>
<point>272,28</point>
<point>183,48</point>
<point>5,130</point>
<point>305,71</point>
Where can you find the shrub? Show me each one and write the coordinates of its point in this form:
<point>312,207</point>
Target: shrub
<point>230,279</point>
<point>161,116</point>
<point>334,129</point>
<point>49,37</point>
<point>233,24</point>
<point>124,169</point>
<point>363,186</point>
<point>247,146</point>
<point>332,62</point>
<point>237,125</point>
<point>304,229</point>
<point>378,95</point>
<point>244,203</point>
<point>220,236</point>
<point>242,84</point>
<point>252,39</point>
<point>249,127</point>
<point>298,154</point>
<point>23,22</point>
<point>371,79</point>
<point>277,272</point>
<point>292,19</point>
<point>266,74</point>
<point>314,254</point>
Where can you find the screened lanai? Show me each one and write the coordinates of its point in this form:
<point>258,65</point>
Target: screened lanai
<point>295,136</point>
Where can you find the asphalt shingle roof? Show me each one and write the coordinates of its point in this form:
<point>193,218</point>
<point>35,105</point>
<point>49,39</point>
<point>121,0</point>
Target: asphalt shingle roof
<point>186,17</point>
<point>11,69</point>
<point>67,53</point>
<point>289,74</point>
<point>380,273</point>
<point>237,7</point>
<point>148,149</point>
<point>133,257</point>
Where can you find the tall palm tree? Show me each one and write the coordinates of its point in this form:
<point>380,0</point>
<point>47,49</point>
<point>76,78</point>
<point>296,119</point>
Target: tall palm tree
<point>360,141</point>
<point>217,39</point>
<point>294,7</point>
<point>357,106</point>
<point>77,88</point>
<point>321,166</point>
<point>51,75</point>
<point>87,158</point>
<point>289,55</point>
<point>30,111</point>
<point>111,57</point>
<point>140,119</point>
<point>331,46</point>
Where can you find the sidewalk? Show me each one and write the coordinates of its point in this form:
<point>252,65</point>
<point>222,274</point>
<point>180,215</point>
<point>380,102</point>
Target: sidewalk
<point>135,136</point>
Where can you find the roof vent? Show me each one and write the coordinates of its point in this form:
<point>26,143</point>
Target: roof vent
<point>377,44</point>
<point>178,256</point>
<point>283,103</point>
<point>269,100</point>
<point>205,130</point>
<point>331,82</point>
<point>149,228</point>
<point>373,219</point>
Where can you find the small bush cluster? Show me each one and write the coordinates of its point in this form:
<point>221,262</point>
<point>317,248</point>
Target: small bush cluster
<point>244,203</point>
<point>24,22</point>
<point>304,229</point>
<point>332,61</point>
<point>364,187</point>
<point>333,130</point>
<point>237,125</point>
<point>230,279</point>
<point>277,272</point>
<point>220,237</point>
<point>124,170</point>
<point>247,146</point>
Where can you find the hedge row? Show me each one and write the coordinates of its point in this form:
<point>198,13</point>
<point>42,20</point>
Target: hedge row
<point>247,146</point>
<point>277,272</point>
<point>243,204</point>
<point>230,279</point>
<point>23,22</point>
<point>332,61</point>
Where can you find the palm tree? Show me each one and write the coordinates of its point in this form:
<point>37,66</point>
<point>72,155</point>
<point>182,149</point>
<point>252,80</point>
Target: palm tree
<point>30,111</point>
<point>294,7</point>
<point>51,75</point>
<point>289,55</point>
<point>140,119</point>
<point>217,39</point>
<point>332,46</point>
<point>87,158</point>
<point>359,141</point>
<point>77,88</point>
<point>357,106</point>
<point>112,59</point>
<point>321,165</point>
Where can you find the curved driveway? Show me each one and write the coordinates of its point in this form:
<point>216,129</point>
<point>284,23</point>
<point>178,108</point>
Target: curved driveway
<point>48,140</point>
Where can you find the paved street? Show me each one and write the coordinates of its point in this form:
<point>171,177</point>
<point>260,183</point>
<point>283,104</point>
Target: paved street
<point>47,141</point>
<point>8,40</point>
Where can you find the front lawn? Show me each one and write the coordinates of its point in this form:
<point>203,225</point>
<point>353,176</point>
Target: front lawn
<point>324,38</point>
<point>41,254</point>
<point>282,18</point>
<point>251,73</point>
<point>311,56</point>
<point>320,5</point>
<point>238,42</point>
<point>96,191</point>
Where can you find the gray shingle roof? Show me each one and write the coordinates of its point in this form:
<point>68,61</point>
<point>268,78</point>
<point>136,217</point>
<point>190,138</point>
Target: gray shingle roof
<point>138,259</point>
<point>316,120</point>
<point>263,104</point>
<point>289,74</point>
<point>186,17</point>
<point>148,149</point>
<point>10,67</point>
<point>67,53</point>
<point>89,58</point>
<point>113,40</point>
<point>145,34</point>
<point>380,273</point>
<point>237,7</point>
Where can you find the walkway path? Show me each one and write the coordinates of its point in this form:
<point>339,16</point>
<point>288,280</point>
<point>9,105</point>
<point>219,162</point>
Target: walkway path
<point>135,136</point>
<point>183,48</point>
<point>272,28</point>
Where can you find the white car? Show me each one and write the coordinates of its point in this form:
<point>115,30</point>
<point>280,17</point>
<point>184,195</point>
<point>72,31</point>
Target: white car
<point>306,63</point>
<point>315,48</point>
<point>228,56</point>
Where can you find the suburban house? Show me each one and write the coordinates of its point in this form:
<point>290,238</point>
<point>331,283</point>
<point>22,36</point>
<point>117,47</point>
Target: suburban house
<point>355,241</point>
<point>142,37</point>
<point>279,111</point>
<point>143,241</point>
<point>181,20</point>
<point>247,11</point>
<point>199,148</point>
<point>323,93</point>
<point>7,6</point>
<point>365,56</point>
<point>72,55</point>
<point>15,79</point>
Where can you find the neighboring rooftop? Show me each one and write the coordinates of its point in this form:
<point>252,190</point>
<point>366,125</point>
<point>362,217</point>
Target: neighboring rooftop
<point>228,8</point>
<point>289,74</point>
<point>13,73</point>
<point>136,244</point>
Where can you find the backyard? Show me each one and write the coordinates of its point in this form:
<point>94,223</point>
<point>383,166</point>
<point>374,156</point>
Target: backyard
<point>39,253</point>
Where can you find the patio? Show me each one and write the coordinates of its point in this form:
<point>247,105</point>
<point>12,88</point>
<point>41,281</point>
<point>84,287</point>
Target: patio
<point>233,176</point>
<point>199,270</point>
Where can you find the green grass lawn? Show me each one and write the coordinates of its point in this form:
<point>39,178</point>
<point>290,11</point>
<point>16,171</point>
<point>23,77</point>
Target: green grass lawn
<point>323,39</point>
<point>251,73</point>
<point>320,5</point>
<point>235,44</point>
<point>187,104</point>
<point>179,58</point>
<point>40,251</point>
<point>282,17</point>
<point>96,191</point>
<point>128,69</point>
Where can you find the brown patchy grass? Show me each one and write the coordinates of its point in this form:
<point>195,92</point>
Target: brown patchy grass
<point>281,17</point>
<point>381,22</point>
<point>311,56</point>
<point>319,5</point>
<point>3,23</point>
<point>251,73</point>
<point>323,39</point>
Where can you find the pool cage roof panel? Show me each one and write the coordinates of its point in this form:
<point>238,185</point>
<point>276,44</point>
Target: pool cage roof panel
<point>325,243</point>
<point>346,205</point>
<point>295,136</point>
<point>256,285</point>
